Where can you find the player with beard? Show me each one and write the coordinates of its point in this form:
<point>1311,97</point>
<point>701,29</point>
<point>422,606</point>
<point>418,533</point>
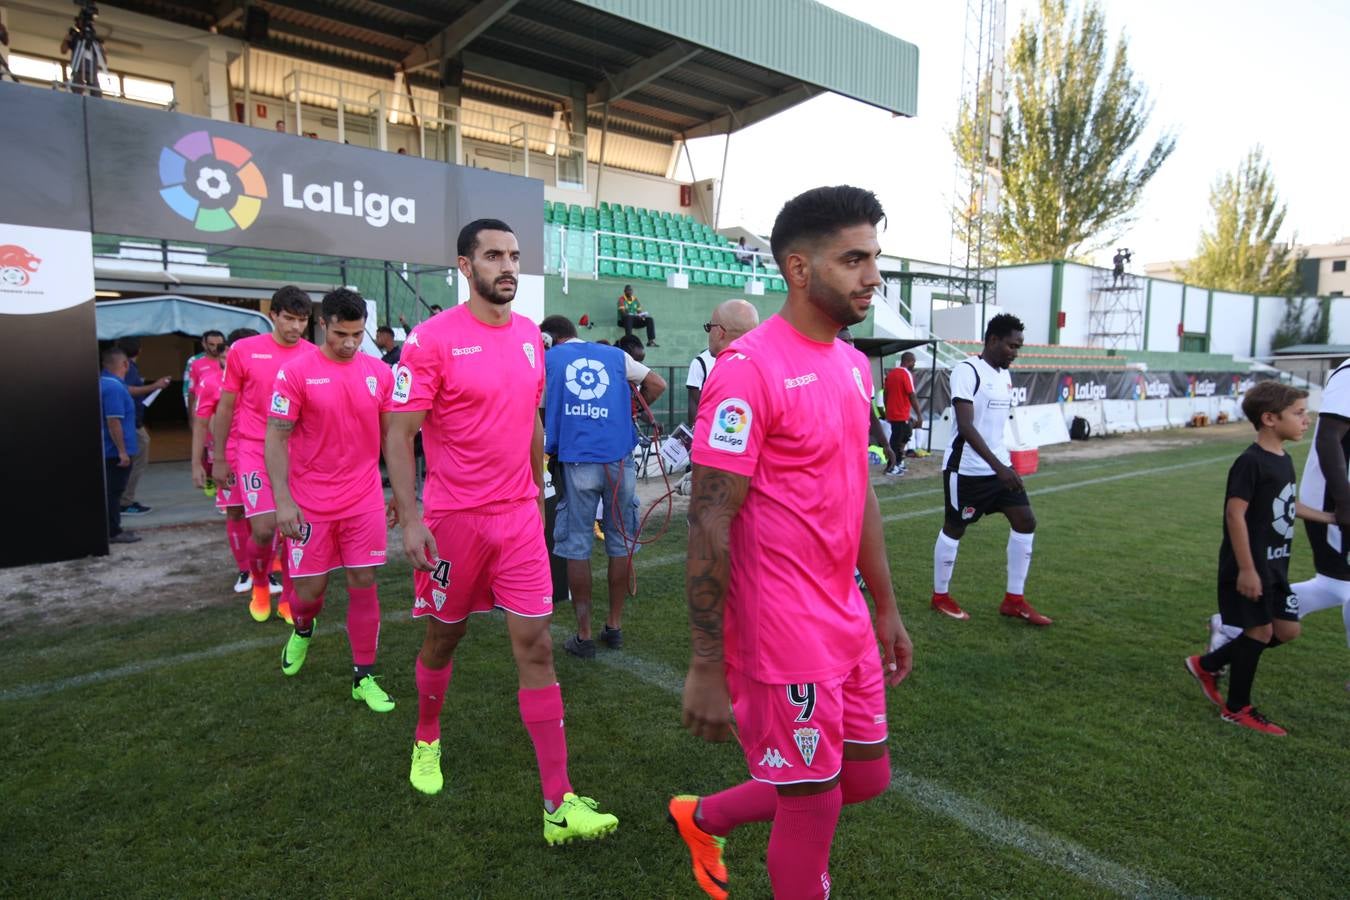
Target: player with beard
<point>323,455</point>
<point>240,426</point>
<point>471,379</point>
<point>782,511</point>
<point>977,474</point>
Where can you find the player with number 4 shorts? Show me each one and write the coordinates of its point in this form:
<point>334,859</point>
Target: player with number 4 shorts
<point>323,455</point>
<point>470,379</point>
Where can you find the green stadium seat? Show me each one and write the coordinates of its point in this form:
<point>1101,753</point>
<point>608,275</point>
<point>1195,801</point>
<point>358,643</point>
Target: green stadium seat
<point>623,270</point>
<point>604,205</point>
<point>639,270</point>
<point>738,281</point>
<point>726,279</point>
<point>607,268</point>
<point>698,276</point>
<point>622,248</point>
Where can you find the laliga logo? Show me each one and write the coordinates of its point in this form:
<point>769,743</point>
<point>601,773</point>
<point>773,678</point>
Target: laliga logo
<point>731,419</point>
<point>16,264</point>
<point>1140,387</point>
<point>587,379</point>
<point>214,184</point>
<point>1195,387</point>
<point>211,182</point>
<point>1065,389</point>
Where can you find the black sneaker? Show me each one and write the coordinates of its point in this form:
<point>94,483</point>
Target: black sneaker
<point>274,585</point>
<point>612,637</point>
<point>135,509</point>
<point>653,344</point>
<point>124,537</point>
<point>580,648</point>
<point>244,583</point>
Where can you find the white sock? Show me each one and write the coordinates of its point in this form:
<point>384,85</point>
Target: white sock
<point>1019,560</point>
<point>1320,592</point>
<point>944,561</point>
<point>1222,633</point>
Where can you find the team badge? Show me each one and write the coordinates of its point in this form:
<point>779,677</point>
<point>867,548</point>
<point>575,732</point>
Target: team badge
<point>528,347</point>
<point>372,383</point>
<point>857,379</point>
<point>807,740</point>
<point>731,424</point>
<point>968,512</point>
<point>438,597</point>
<point>281,406</point>
<point>402,384</point>
<point>296,555</point>
<point>252,498</point>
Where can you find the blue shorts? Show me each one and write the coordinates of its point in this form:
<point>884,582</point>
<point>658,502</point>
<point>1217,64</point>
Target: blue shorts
<point>585,485</point>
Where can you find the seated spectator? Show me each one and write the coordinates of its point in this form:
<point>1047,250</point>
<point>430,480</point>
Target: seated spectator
<point>743,253</point>
<point>631,313</point>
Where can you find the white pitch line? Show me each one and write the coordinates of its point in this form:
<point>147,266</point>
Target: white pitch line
<point>1034,841</point>
<point>43,688</point>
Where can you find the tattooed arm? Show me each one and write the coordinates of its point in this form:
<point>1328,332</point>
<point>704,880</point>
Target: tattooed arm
<point>717,497</point>
<point>276,452</point>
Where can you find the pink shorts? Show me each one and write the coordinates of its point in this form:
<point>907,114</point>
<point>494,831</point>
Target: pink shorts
<point>226,495</point>
<point>351,543</point>
<point>251,481</point>
<point>489,557</point>
<point>793,733</point>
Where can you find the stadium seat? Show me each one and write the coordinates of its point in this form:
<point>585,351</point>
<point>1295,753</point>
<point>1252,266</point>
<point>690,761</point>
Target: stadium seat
<point>623,270</point>
<point>698,276</point>
<point>607,268</point>
<point>621,248</point>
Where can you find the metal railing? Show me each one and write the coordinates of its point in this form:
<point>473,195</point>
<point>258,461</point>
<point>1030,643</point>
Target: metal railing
<point>758,268</point>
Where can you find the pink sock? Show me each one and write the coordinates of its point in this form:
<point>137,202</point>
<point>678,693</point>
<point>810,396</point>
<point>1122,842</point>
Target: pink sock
<point>799,846</point>
<point>304,612</point>
<point>541,709</point>
<point>236,534</point>
<point>863,779</point>
<point>260,559</point>
<point>363,624</point>
<point>749,801</point>
<point>431,685</point>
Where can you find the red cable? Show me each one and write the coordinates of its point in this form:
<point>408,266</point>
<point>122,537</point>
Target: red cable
<point>631,543</point>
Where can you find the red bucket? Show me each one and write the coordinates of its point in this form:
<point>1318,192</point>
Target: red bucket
<point>1025,462</point>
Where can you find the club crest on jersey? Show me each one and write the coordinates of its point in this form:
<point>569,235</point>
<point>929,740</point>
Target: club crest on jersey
<point>968,512</point>
<point>372,383</point>
<point>528,347</point>
<point>730,430</point>
<point>807,739</point>
<point>438,598</point>
<point>857,379</point>
<point>281,406</point>
<point>252,498</point>
<point>402,384</point>
<point>296,555</point>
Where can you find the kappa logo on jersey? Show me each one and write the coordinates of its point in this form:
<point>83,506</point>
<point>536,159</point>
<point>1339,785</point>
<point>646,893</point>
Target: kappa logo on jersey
<point>421,604</point>
<point>467,351</point>
<point>281,374</point>
<point>281,406</point>
<point>799,381</point>
<point>807,739</point>
<point>412,340</point>
<point>438,597</point>
<point>731,422</point>
<point>587,378</point>
<point>774,760</point>
<point>402,384</point>
<point>372,383</point>
<point>857,379</point>
<point>1283,512</point>
<point>529,352</point>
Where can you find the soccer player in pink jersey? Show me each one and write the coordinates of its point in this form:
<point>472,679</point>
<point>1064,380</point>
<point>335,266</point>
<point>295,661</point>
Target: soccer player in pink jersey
<point>782,509</point>
<point>204,401</point>
<point>323,456</point>
<point>240,426</point>
<point>471,378</point>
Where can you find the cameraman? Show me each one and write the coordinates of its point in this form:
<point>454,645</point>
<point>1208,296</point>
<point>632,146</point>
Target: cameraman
<point>86,51</point>
<point>1118,264</point>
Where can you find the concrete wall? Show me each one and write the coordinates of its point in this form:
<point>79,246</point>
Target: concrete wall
<point>1076,302</point>
<point>1231,328</point>
<point>1024,291</point>
<point>1164,314</point>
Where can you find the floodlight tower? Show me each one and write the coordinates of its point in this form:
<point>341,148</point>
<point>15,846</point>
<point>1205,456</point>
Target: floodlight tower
<point>978,182</point>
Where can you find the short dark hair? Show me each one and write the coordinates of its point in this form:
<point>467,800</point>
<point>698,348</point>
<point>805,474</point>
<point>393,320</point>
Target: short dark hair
<point>110,354</point>
<point>436,307</point>
<point>907,357</point>
<point>342,305</point>
<point>821,211</point>
<point>631,344</point>
<point>627,287</point>
<point>131,346</point>
<point>385,329</point>
<point>239,334</point>
<point>1002,325</point>
<point>1269,397</point>
<point>290,299</point>
<point>212,333</point>
<point>560,328</point>
<point>468,235</point>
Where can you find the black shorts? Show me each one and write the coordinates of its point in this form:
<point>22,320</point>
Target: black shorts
<point>1327,559</point>
<point>901,432</point>
<point>1278,601</point>
<point>969,497</point>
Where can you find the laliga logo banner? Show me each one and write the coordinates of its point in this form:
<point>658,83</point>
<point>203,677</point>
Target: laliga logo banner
<point>44,269</point>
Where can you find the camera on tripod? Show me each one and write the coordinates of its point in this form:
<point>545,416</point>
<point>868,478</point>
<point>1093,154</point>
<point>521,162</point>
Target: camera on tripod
<point>87,59</point>
<point>1125,254</point>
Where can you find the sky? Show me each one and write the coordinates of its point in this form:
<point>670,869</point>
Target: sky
<point>1222,76</point>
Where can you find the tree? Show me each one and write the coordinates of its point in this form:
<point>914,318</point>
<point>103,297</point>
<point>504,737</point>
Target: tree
<point>1238,251</point>
<point>1074,119</point>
